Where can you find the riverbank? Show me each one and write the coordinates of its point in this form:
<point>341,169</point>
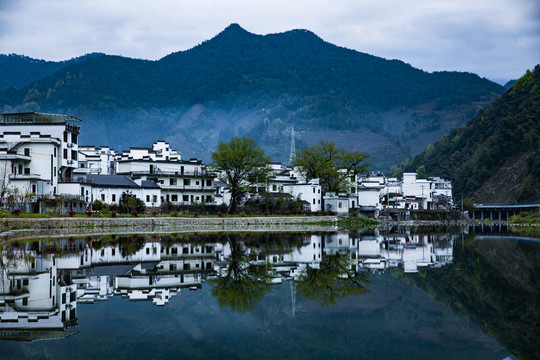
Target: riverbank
<point>13,228</point>
<point>20,228</point>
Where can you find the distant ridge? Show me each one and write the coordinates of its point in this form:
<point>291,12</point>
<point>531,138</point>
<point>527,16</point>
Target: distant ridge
<point>239,83</point>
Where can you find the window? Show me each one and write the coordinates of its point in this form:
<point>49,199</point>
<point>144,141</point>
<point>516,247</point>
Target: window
<point>102,197</point>
<point>274,187</point>
<point>74,138</point>
<point>65,154</point>
<point>25,301</point>
<point>74,154</point>
<point>187,182</point>
<point>208,182</point>
<point>25,282</point>
<point>314,190</point>
<point>185,198</point>
<point>197,182</point>
<point>54,152</point>
<point>172,181</point>
<point>339,205</point>
<point>26,151</point>
<point>113,197</point>
<point>154,198</point>
<point>174,197</point>
<point>147,198</point>
<point>34,188</point>
<point>65,136</point>
<point>27,171</point>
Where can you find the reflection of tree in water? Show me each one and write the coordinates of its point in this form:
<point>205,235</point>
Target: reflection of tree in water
<point>130,245</point>
<point>243,283</point>
<point>336,278</point>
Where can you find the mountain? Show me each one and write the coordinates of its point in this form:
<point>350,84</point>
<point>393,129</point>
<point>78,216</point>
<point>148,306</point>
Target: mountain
<point>18,71</point>
<point>495,157</point>
<point>239,83</point>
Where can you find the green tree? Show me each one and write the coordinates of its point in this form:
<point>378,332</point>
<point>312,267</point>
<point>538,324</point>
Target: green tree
<point>421,172</point>
<point>332,165</point>
<point>129,202</point>
<point>243,163</point>
<point>336,278</point>
<point>244,283</point>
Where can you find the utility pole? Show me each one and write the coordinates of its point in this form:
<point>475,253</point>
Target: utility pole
<point>293,148</point>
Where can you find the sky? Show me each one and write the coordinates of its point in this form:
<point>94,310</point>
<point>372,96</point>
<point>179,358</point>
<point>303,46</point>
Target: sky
<point>496,39</point>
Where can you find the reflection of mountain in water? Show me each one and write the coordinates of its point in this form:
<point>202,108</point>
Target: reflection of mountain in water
<point>496,284</point>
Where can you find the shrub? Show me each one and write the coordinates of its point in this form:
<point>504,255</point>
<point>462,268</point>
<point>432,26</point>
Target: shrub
<point>220,214</point>
<point>72,213</point>
<point>16,212</point>
<point>89,212</point>
<point>195,214</point>
<point>154,212</point>
<point>134,213</point>
<point>113,213</point>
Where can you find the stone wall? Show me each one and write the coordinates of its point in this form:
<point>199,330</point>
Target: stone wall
<point>18,228</point>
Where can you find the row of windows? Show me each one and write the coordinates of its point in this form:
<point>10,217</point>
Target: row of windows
<point>187,182</point>
<point>73,137</point>
<point>187,198</point>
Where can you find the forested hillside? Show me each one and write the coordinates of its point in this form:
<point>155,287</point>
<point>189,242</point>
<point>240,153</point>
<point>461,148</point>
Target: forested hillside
<point>239,83</point>
<point>496,156</point>
<point>18,71</point>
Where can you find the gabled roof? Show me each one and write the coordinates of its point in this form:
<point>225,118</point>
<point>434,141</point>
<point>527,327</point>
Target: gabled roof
<point>111,180</point>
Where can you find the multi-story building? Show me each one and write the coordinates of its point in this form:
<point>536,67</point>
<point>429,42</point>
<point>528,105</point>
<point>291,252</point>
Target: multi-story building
<point>182,182</point>
<point>37,152</point>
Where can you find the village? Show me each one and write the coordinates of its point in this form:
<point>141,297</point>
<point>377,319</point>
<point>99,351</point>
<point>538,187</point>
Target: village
<point>44,169</point>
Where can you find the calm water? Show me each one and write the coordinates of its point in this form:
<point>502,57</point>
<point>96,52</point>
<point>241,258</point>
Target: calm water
<point>272,296</point>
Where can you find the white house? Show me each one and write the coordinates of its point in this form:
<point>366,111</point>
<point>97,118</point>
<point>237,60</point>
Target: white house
<point>310,193</point>
<point>182,182</point>
<point>109,188</point>
<point>96,160</point>
<point>37,152</point>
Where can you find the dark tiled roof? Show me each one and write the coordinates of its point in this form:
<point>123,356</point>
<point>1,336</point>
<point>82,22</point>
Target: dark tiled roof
<point>147,184</point>
<point>111,180</point>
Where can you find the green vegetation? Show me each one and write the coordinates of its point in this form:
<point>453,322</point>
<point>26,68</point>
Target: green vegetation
<point>332,165</point>
<point>526,218</point>
<point>495,156</point>
<point>243,163</point>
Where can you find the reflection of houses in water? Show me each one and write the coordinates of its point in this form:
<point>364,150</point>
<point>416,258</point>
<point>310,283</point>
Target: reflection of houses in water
<point>42,282</point>
<point>411,251</point>
<point>35,302</point>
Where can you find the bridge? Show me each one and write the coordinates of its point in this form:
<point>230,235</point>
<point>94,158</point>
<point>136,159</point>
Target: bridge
<point>502,212</point>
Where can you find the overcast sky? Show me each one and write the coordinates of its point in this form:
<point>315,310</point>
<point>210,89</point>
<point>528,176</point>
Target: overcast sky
<point>497,39</point>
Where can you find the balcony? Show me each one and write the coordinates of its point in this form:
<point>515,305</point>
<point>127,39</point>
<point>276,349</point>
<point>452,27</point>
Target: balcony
<point>157,173</point>
<point>186,187</point>
<point>25,177</point>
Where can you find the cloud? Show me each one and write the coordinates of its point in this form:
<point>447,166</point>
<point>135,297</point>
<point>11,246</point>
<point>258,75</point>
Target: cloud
<point>494,38</point>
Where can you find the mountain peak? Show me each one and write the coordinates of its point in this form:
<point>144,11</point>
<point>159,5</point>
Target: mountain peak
<point>234,29</point>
